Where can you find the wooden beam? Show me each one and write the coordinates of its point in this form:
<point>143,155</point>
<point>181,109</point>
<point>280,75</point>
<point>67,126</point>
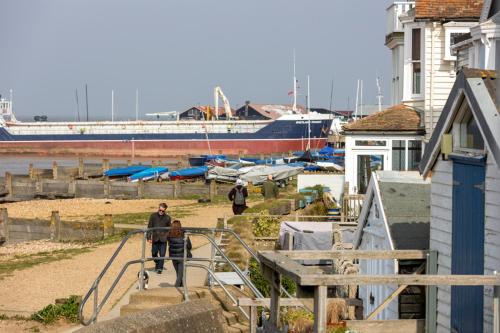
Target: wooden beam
<point>411,280</point>
<point>355,254</point>
<point>392,296</point>
<point>265,302</point>
<point>283,264</point>
<point>320,293</point>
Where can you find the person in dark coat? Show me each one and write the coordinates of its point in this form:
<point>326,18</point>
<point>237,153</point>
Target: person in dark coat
<point>238,195</point>
<point>158,238</point>
<point>270,190</point>
<point>176,250</point>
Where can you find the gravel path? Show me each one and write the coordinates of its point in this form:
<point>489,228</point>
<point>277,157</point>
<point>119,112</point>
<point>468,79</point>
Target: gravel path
<point>29,290</point>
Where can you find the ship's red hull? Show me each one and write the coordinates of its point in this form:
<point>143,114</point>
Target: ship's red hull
<point>156,148</point>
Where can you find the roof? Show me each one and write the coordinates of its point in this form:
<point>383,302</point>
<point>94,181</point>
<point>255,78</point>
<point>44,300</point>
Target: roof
<point>274,111</point>
<point>397,118</point>
<point>405,201</point>
<point>438,10</point>
<point>478,86</point>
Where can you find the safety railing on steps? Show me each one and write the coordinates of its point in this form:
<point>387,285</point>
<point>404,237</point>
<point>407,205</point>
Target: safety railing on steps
<point>208,233</point>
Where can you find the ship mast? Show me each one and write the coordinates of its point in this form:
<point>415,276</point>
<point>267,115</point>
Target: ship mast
<point>308,115</point>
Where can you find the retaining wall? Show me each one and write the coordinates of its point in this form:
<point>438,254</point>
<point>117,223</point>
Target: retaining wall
<point>198,316</point>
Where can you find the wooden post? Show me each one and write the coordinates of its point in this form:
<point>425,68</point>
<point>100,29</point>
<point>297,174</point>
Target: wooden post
<point>108,226</point>
<point>39,184</point>
<point>288,242</point>
<point>55,226</point>
<point>140,189</point>
<point>105,165</point>
<point>81,168</point>
<point>54,170</point>
<point>8,183</point>
<point>72,186</point>
<point>274,279</point>
<point>320,293</point>
<point>431,294</point>
<point>253,319</point>
<point>177,189</point>
<point>212,190</point>
<point>106,187</point>
<point>4,224</point>
<point>129,162</point>
<point>31,171</point>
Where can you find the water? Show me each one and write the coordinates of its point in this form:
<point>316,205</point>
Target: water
<point>19,164</point>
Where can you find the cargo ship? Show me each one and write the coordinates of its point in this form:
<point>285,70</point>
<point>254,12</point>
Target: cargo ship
<point>289,132</point>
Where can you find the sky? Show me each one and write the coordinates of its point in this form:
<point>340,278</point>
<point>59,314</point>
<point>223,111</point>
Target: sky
<point>176,52</point>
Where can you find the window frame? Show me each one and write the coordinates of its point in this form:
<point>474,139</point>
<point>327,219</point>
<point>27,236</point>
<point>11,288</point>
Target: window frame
<point>447,40</point>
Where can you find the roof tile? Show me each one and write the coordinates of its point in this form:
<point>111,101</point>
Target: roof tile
<point>396,118</point>
<point>448,9</point>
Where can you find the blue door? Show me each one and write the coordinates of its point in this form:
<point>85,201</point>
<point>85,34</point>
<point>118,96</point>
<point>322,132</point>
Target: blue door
<point>467,247</point>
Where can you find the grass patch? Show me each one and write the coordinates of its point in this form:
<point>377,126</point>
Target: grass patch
<point>143,218</point>
<point>51,313</point>
<point>20,262</point>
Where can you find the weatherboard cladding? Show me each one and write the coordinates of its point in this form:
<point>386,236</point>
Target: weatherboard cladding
<point>407,209</point>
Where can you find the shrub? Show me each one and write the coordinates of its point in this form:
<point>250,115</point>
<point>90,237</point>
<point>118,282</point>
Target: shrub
<point>261,283</point>
<point>53,312</point>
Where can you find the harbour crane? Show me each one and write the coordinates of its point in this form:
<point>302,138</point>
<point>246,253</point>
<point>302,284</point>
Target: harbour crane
<point>227,108</point>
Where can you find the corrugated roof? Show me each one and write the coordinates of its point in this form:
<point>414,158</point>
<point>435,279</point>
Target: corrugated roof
<point>274,111</point>
<point>396,118</point>
<point>438,10</point>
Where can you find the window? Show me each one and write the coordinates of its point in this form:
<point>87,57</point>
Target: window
<point>415,61</point>
<point>414,154</point>
<point>470,136</point>
<point>367,164</point>
<point>453,35</point>
<point>371,143</point>
<point>398,155</point>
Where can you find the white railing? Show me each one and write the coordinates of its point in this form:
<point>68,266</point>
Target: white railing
<point>393,12</point>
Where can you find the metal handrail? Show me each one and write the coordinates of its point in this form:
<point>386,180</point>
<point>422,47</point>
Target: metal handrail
<point>198,231</point>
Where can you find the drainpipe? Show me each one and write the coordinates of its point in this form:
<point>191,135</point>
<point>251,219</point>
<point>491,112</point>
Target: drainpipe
<point>497,68</point>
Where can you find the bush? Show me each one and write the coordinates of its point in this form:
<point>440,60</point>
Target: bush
<point>261,283</point>
<point>53,312</point>
<point>266,226</point>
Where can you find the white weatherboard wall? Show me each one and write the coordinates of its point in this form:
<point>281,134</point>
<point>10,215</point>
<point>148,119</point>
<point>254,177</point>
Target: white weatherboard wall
<point>441,228</point>
<point>334,182</point>
<point>375,238</point>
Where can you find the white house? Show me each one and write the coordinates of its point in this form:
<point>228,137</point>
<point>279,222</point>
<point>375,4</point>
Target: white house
<point>395,216</point>
<point>419,34</point>
<point>463,161</point>
<point>386,140</point>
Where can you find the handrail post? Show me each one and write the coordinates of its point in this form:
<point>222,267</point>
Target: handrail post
<point>143,256</point>
<point>212,258</point>
<point>96,300</point>
<point>496,308</point>
<point>184,269</point>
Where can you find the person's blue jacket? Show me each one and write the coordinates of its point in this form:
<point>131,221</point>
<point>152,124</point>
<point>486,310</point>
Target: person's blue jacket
<point>176,246</point>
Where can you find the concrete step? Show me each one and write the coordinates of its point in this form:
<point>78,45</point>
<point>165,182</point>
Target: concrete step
<point>164,296</point>
<point>135,308</point>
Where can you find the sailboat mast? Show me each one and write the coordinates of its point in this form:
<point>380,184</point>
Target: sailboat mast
<point>308,115</point>
<point>294,107</point>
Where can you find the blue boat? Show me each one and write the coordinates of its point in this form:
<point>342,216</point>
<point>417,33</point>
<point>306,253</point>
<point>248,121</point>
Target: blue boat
<point>188,173</point>
<point>125,171</point>
<point>148,173</point>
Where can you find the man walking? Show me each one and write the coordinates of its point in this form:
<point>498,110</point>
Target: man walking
<point>270,189</point>
<point>158,238</point>
<point>238,195</point>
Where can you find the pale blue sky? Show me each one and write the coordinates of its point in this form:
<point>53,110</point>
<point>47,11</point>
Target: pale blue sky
<point>175,52</point>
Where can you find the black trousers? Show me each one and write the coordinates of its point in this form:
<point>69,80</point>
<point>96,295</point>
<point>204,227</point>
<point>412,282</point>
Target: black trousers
<point>239,209</point>
<point>158,250</point>
<point>179,270</point>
